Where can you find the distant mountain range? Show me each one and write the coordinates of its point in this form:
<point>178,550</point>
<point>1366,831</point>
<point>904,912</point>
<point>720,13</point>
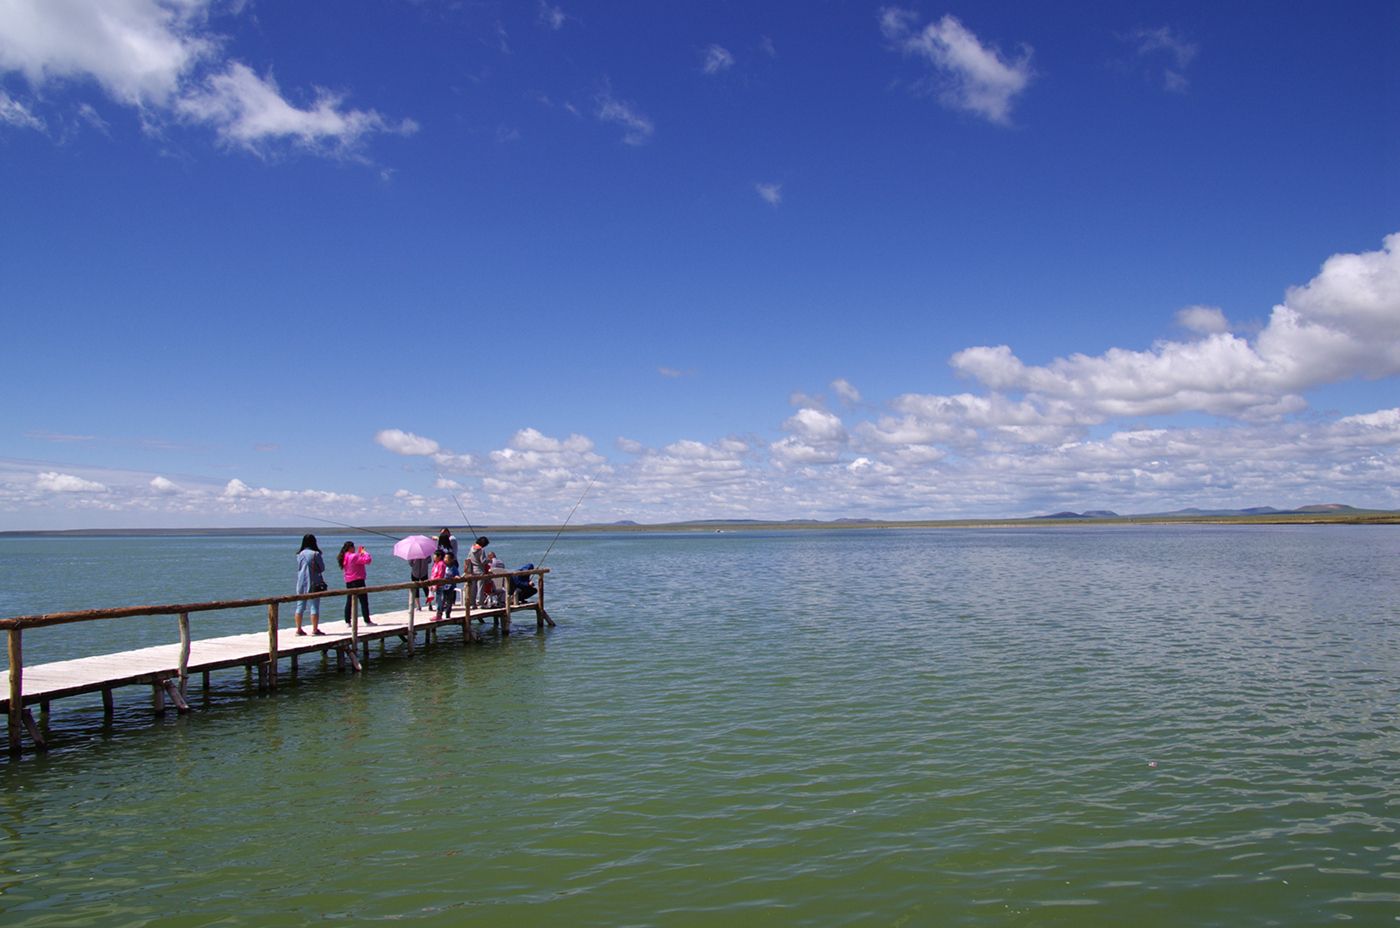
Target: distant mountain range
<point>1252,511</point>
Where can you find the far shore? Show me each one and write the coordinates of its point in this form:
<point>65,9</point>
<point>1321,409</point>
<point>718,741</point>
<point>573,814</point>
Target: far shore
<point>1350,517</point>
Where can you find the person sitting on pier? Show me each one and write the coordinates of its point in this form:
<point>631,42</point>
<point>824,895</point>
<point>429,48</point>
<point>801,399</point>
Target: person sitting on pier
<point>521,588</point>
<point>311,569</point>
<point>492,596</point>
<point>447,593</point>
<point>354,563</point>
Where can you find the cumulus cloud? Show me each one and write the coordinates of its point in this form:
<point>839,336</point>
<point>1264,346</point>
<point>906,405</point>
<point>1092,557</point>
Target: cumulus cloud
<point>159,58</point>
<point>967,74</point>
<point>54,482</point>
<point>637,129</point>
<point>715,59</point>
<point>237,490</point>
<point>164,485</point>
<point>401,442</point>
<point>1343,323</point>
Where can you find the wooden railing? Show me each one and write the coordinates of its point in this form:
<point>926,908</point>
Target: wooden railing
<point>14,626</point>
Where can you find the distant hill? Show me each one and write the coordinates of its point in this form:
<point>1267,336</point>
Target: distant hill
<point>1315,509</point>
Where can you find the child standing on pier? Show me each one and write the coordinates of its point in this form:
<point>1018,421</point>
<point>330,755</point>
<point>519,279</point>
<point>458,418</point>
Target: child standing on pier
<point>354,563</point>
<point>436,573</point>
<point>447,593</point>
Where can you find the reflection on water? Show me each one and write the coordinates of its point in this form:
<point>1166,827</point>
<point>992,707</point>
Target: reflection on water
<point>1060,726</point>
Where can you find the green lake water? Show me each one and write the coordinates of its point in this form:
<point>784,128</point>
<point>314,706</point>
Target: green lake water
<point>1059,726</point>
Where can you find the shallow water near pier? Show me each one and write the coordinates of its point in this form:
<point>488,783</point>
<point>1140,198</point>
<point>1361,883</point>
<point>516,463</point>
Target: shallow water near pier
<point>1069,725</point>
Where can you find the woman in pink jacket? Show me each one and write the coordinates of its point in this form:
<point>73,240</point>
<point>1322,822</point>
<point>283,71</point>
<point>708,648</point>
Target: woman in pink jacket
<point>353,563</point>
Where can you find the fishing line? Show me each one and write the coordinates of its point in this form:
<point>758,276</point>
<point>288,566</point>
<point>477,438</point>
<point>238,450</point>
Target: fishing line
<point>347,525</point>
<point>566,521</point>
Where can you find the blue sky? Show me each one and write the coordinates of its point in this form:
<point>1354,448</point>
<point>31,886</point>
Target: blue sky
<point>268,261</point>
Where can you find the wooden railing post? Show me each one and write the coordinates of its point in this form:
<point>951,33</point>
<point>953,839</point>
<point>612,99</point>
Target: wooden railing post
<point>16,692</point>
<point>412,609</point>
<point>184,652</point>
<point>272,646</point>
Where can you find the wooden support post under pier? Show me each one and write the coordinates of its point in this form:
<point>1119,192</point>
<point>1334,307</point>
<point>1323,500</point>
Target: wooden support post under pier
<point>34,734</point>
<point>173,691</point>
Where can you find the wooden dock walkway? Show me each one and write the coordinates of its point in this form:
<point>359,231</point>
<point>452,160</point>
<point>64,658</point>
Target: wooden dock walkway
<point>168,668</point>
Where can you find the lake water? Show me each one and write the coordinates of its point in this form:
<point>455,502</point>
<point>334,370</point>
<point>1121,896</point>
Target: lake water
<point>1058,726</point>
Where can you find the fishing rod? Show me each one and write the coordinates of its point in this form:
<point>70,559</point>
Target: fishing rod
<point>464,514</point>
<point>571,516</point>
<point>348,525</point>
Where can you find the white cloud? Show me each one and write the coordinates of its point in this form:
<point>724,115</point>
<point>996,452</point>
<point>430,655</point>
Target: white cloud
<point>238,491</point>
<point>816,425</point>
<point>772,194</point>
<point>249,111</point>
<point>406,443</point>
<point>1207,320</point>
<point>158,57</point>
<point>1343,323</point>
<point>164,485</point>
<point>54,482</point>
<point>138,51</point>
<point>637,128</point>
<point>715,59</point>
<point>845,392</point>
<point>970,76</point>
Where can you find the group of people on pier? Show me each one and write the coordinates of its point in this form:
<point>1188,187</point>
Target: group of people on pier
<point>442,565</point>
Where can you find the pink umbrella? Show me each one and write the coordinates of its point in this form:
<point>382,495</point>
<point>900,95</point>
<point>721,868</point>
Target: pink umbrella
<point>414,547</point>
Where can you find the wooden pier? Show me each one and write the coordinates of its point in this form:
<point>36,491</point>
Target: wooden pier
<point>166,669</point>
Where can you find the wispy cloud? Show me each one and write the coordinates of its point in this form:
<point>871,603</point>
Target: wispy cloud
<point>1163,43</point>
<point>15,113</point>
<point>551,16</point>
<point>968,75</point>
<point>637,128</point>
<point>716,59</point>
<point>772,194</point>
